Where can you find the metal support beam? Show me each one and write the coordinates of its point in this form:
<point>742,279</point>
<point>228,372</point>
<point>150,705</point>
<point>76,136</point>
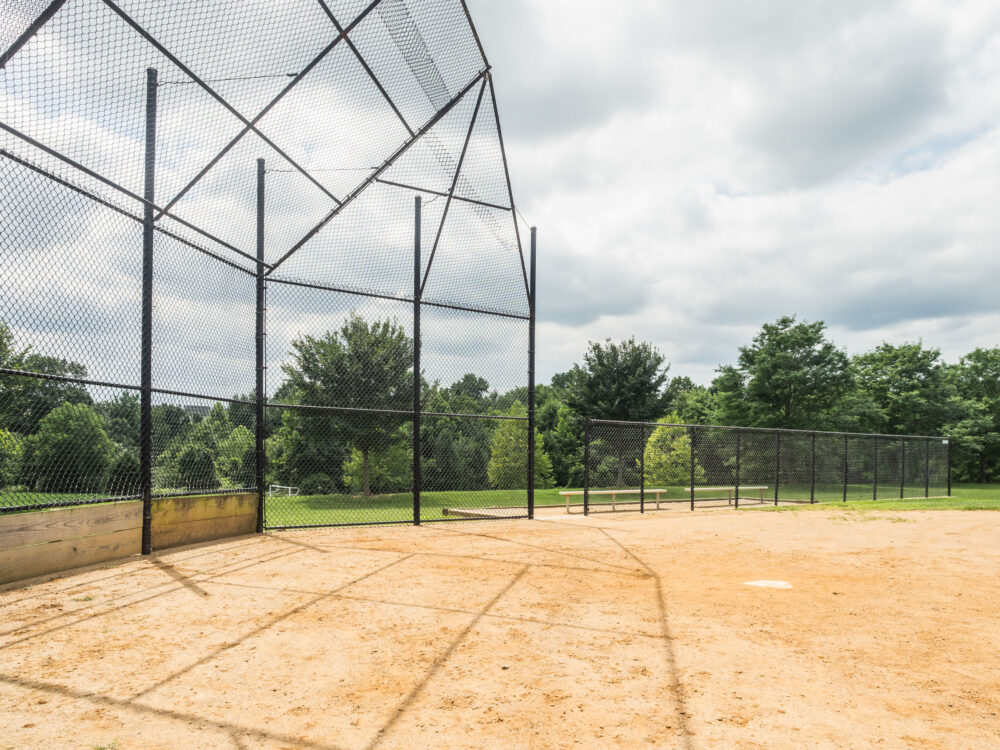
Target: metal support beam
<point>736,483</point>
<point>875,468</point>
<point>586,466</point>
<point>691,436</point>
<point>259,424</point>
<point>927,468</point>
<point>29,32</point>
<point>531,369</point>
<point>416,362</point>
<point>384,166</point>
<point>812,471</point>
<point>845,468</point>
<point>454,184</point>
<point>146,395</point>
<point>443,194</point>
<point>902,469</point>
<point>777,464</point>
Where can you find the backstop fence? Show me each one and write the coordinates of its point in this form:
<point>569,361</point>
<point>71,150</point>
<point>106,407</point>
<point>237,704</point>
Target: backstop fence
<point>645,466</point>
<point>260,246</point>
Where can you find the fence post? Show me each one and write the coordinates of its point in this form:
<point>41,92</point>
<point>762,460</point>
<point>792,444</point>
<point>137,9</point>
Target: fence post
<point>146,403</point>
<point>875,468</point>
<point>812,472</point>
<point>736,487</point>
<point>586,466</point>
<point>259,339</point>
<point>416,361</point>
<point>531,383</point>
<point>642,469</point>
<point>949,466</point>
<point>927,468</point>
<point>691,440</point>
<point>777,464</point>
<point>902,468</point>
<point>845,468</point>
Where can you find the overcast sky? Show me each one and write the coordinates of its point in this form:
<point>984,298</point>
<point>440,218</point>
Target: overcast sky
<point>699,168</point>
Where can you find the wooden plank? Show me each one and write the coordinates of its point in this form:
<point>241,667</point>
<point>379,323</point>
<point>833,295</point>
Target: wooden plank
<point>203,529</point>
<point>174,510</point>
<point>39,559</point>
<point>60,524</point>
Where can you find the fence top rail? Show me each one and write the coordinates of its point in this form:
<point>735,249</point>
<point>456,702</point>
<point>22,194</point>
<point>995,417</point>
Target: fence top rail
<point>769,430</point>
<point>393,412</point>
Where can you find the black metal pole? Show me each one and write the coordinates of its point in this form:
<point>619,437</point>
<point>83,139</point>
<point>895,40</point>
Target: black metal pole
<point>531,382</point>
<point>875,468</point>
<point>416,361</point>
<point>812,472</point>
<point>691,440</point>
<point>146,397</point>
<point>927,468</point>
<point>736,486</point>
<point>902,468</point>
<point>949,467</point>
<point>845,468</point>
<point>777,464</point>
<point>259,423</point>
<point>642,469</point>
<point>586,466</point>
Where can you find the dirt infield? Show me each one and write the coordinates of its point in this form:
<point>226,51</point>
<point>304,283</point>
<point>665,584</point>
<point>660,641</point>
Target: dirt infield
<point>584,632</point>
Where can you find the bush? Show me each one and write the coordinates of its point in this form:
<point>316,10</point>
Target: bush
<point>508,467</point>
<point>316,484</point>
<point>125,475</point>
<point>667,457</point>
<point>196,468</point>
<point>71,452</point>
<point>10,458</point>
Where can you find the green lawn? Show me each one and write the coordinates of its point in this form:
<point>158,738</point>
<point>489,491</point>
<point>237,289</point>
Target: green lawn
<point>398,508</point>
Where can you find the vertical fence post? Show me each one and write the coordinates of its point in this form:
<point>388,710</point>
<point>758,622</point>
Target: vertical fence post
<point>691,440</point>
<point>259,340</point>
<point>902,468</point>
<point>736,484</point>
<point>812,471</point>
<point>146,404</point>
<point>586,466</point>
<point>416,361</point>
<point>642,469</point>
<point>845,468</point>
<point>875,468</point>
<point>948,441</point>
<point>531,382</point>
<point>927,467</point>
<point>777,464</point>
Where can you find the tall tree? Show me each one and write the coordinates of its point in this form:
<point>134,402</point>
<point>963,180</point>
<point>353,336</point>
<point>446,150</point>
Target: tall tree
<point>909,387</point>
<point>363,365</point>
<point>619,381</point>
<point>790,375</point>
<point>976,430</point>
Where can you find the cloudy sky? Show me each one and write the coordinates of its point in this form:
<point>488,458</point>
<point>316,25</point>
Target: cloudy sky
<point>698,169</point>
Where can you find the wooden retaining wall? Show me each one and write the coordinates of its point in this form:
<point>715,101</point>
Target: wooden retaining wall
<point>51,541</point>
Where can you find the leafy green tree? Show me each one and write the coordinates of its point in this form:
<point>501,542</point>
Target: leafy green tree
<point>235,457</point>
<point>122,417</point>
<point>366,365</point>
<point>976,429</point>
<point>790,375</point>
<point>196,467</point>
<point>390,469</point>
<point>909,387</point>
<point>10,458</point>
<point>125,474</point>
<point>170,422</point>
<point>508,466</point>
<point>621,381</point>
<point>70,452</point>
<point>667,456</point>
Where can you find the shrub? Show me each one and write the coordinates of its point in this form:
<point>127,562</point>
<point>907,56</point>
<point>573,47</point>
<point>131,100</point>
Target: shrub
<point>71,452</point>
<point>125,475</point>
<point>196,467</point>
<point>316,484</point>
<point>10,458</point>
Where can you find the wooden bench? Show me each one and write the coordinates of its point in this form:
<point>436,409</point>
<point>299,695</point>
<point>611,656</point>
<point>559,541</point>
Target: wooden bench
<point>613,493</point>
<point>730,490</point>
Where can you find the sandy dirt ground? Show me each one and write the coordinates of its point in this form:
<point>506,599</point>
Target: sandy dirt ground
<point>580,632</point>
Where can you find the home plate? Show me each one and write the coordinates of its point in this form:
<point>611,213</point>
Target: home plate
<point>769,584</point>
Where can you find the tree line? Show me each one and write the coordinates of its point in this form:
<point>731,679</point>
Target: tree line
<point>56,437</point>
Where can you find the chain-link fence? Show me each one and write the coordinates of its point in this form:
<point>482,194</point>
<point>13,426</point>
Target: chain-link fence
<point>260,246</point>
<point>646,466</point>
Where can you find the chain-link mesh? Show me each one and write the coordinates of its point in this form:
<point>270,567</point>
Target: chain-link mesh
<point>207,212</point>
<point>641,467</point>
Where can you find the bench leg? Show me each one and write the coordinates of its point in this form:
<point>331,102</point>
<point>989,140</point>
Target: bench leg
<point>613,502</point>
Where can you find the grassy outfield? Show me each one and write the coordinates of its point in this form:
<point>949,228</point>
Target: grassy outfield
<point>964,497</point>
